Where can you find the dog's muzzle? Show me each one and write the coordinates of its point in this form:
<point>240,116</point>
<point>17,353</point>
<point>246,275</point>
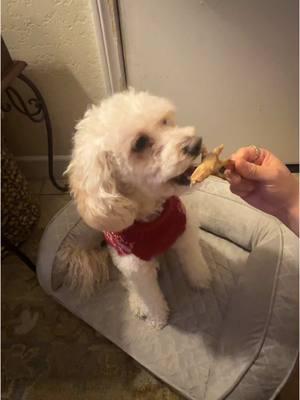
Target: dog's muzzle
<point>193,149</point>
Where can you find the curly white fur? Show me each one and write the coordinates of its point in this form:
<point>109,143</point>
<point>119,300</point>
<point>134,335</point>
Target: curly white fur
<point>115,182</point>
<point>81,269</point>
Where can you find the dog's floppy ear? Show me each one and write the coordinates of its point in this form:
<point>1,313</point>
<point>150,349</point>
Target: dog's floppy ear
<point>93,184</point>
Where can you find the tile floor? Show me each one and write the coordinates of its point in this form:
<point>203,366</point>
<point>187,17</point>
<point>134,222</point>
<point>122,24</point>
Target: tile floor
<point>51,200</point>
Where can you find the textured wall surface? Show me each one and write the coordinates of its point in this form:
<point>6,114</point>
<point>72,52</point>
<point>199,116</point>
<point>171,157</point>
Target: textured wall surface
<point>57,38</point>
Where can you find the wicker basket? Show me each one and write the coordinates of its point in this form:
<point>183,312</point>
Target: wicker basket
<point>19,211</point>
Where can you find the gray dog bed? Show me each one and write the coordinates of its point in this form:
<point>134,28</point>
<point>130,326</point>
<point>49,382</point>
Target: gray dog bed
<point>237,340</point>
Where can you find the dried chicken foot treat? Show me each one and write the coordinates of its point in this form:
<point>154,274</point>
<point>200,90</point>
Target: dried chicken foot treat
<point>211,165</point>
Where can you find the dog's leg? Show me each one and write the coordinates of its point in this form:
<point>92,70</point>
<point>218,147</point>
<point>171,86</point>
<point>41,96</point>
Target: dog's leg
<point>145,297</point>
<point>191,257</point>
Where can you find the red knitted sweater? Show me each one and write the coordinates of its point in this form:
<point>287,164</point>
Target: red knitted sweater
<point>148,239</point>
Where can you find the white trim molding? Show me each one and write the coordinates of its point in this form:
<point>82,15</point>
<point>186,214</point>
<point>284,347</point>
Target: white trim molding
<point>106,19</point>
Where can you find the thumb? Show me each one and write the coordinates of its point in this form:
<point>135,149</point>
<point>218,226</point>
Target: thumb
<point>250,171</point>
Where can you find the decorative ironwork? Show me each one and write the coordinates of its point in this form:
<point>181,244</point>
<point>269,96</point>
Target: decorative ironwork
<point>16,101</point>
<point>36,110</point>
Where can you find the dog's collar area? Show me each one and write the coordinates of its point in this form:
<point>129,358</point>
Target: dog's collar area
<point>149,239</point>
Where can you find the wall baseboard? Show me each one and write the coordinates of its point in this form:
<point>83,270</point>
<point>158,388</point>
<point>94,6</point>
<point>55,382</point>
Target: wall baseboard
<point>36,167</point>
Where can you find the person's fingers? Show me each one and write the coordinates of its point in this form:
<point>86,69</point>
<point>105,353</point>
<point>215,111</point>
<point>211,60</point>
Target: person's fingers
<point>251,171</point>
<point>238,181</point>
<point>238,185</point>
<point>243,195</point>
<point>241,192</point>
<point>232,177</point>
<point>249,153</point>
<point>230,166</point>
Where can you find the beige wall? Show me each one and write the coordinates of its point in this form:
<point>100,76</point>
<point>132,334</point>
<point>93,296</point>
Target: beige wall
<point>230,66</point>
<point>58,40</point>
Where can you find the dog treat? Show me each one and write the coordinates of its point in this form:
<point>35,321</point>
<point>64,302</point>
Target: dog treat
<point>211,165</point>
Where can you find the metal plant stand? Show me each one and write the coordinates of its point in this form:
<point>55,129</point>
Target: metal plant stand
<point>37,113</point>
<point>36,110</point>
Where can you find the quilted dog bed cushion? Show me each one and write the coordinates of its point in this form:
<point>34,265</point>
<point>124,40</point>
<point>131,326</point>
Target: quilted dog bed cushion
<point>237,340</point>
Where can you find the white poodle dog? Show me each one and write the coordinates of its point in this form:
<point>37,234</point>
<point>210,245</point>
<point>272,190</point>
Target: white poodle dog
<point>129,164</point>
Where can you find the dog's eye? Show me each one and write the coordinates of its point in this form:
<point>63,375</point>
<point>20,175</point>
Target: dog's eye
<point>141,144</point>
<point>167,121</point>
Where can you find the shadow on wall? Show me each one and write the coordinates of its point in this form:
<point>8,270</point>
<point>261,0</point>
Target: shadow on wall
<point>66,100</point>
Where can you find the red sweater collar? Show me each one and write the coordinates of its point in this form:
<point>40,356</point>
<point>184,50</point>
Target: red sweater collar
<point>149,239</point>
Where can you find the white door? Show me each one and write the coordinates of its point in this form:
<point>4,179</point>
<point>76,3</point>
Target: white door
<point>230,66</point>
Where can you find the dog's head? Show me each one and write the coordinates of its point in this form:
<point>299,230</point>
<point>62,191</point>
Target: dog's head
<point>128,144</point>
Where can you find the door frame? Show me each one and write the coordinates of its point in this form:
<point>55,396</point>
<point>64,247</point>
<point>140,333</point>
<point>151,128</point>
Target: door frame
<point>107,23</point>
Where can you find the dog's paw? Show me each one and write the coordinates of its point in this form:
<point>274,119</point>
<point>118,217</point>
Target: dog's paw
<point>158,317</point>
<point>138,308</point>
<point>157,323</point>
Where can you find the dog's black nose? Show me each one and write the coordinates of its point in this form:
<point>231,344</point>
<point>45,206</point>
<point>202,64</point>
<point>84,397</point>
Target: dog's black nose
<point>193,149</point>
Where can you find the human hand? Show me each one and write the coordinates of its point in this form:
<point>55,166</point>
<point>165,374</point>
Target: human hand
<point>265,182</point>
